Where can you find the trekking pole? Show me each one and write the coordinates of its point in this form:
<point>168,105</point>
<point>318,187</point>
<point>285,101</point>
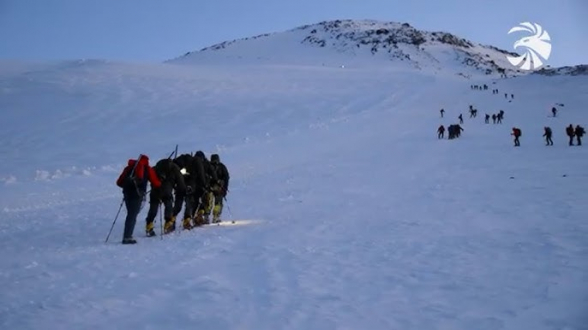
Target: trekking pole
<point>117,213</point>
<point>161,218</point>
<point>143,203</point>
<point>228,208</point>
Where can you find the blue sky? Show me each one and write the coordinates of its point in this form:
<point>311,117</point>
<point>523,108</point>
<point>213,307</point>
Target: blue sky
<point>155,30</point>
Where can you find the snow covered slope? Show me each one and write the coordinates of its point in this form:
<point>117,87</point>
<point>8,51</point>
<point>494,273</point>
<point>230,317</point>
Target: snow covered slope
<point>355,43</point>
<point>367,220</point>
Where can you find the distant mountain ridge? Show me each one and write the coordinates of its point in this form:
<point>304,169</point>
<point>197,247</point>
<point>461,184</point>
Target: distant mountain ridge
<point>365,41</point>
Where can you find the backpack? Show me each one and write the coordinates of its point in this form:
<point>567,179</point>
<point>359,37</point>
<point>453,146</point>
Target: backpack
<point>134,185</point>
<point>570,131</point>
<point>162,168</point>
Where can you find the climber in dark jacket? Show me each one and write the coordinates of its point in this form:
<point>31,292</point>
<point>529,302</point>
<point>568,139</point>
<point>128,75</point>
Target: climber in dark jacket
<point>220,187</point>
<point>171,180</point>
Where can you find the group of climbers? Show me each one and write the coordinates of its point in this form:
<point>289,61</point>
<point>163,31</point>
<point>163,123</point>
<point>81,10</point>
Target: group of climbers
<point>190,181</point>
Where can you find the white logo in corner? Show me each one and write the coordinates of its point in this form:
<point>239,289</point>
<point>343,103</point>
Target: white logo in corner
<point>537,47</point>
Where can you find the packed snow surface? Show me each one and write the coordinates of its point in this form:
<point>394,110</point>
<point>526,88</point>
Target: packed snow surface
<point>365,220</point>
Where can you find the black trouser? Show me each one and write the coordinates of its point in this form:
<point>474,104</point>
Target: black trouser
<point>197,201</point>
<point>154,207</point>
<point>548,140</point>
<point>178,202</point>
<point>133,205</point>
<point>192,201</point>
<point>579,138</point>
<point>571,140</point>
<point>191,205</point>
<point>516,141</point>
<point>440,136</point>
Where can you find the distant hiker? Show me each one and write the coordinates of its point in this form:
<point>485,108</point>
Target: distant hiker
<point>499,117</point>
<point>485,87</point>
<point>570,133</point>
<point>440,132</point>
<point>171,180</point>
<point>579,132</point>
<point>548,133</point>
<point>554,111</point>
<point>442,111</point>
<point>220,187</point>
<point>454,131</point>
<point>516,132</point>
<point>512,96</point>
<point>487,119</point>
<point>506,95</point>
<point>493,118</point>
<point>460,118</point>
<point>473,112</point>
<point>458,130</point>
<point>133,180</point>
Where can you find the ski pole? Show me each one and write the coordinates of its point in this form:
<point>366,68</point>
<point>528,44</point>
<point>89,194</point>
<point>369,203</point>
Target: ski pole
<point>143,202</point>
<point>117,213</point>
<point>161,218</point>
<point>228,208</point>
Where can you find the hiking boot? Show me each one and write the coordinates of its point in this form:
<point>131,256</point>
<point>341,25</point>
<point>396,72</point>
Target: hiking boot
<point>129,240</point>
<point>198,220</point>
<point>169,226</point>
<point>187,224</point>
<point>149,229</point>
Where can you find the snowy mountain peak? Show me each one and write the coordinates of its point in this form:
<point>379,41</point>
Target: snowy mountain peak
<point>358,42</point>
<point>375,32</point>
